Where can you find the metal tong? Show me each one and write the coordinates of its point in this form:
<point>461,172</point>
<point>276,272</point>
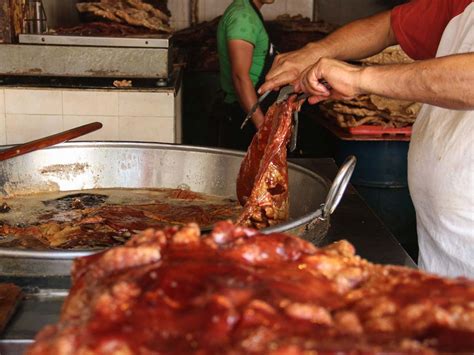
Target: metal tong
<point>284,93</point>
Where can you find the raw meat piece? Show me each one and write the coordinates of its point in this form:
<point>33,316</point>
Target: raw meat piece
<point>262,183</point>
<point>236,291</point>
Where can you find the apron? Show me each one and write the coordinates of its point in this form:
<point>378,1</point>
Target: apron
<point>441,172</point>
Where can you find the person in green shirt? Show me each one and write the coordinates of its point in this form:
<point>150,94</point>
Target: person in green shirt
<point>245,56</point>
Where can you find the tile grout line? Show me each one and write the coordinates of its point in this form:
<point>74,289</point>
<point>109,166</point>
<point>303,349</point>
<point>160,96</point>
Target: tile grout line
<point>62,108</point>
<point>118,116</point>
<point>5,115</point>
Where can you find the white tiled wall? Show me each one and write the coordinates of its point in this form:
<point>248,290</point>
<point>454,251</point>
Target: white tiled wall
<point>25,127</point>
<point>109,130</point>
<point>87,103</point>
<point>3,130</point>
<point>18,101</point>
<point>2,101</point>
<point>210,9</point>
<point>159,129</point>
<point>145,104</point>
<point>31,113</point>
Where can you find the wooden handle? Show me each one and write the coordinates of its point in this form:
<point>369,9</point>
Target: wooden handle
<point>49,141</point>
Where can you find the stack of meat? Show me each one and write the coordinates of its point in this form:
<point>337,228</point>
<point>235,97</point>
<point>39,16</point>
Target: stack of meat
<point>104,29</point>
<point>152,15</point>
<point>236,291</point>
<point>287,33</point>
<point>372,109</point>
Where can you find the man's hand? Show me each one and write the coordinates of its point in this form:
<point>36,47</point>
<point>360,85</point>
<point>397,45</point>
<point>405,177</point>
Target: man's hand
<point>287,67</point>
<point>367,37</point>
<point>344,80</point>
<point>445,81</point>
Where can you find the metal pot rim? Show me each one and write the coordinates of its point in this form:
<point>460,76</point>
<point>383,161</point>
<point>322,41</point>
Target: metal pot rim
<point>71,254</point>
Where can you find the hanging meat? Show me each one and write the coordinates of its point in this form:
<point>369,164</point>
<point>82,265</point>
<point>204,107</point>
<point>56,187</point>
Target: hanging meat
<point>236,291</point>
<point>262,183</point>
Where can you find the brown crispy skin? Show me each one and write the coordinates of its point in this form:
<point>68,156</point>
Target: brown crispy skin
<point>262,183</point>
<point>236,291</point>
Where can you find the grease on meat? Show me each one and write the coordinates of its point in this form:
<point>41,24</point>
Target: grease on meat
<point>262,183</point>
<point>236,291</point>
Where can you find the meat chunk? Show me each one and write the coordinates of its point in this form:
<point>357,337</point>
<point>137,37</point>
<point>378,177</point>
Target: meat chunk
<point>262,183</point>
<point>236,291</point>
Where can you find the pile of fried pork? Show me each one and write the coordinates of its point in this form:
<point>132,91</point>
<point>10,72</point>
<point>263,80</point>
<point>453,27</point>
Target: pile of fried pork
<point>151,15</point>
<point>236,291</point>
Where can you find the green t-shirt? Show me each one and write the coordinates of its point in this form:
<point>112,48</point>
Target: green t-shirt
<point>240,21</point>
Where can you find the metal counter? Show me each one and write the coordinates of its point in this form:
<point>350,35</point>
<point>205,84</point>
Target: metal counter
<point>353,220</point>
<point>88,56</point>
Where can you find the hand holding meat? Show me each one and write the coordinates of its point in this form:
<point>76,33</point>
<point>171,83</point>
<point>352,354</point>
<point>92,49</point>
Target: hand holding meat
<point>287,67</point>
<point>343,79</point>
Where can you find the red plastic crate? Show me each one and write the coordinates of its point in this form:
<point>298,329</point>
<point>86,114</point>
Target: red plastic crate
<point>379,130</point>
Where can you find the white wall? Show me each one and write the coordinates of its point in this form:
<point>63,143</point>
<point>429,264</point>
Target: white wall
<point>61,13</point>
<point>209,9</point>
<point>126,115</point>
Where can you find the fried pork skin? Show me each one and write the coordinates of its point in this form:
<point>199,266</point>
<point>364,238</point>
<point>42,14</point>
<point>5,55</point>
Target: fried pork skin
<point>262,183</point>
<point>236,291</point>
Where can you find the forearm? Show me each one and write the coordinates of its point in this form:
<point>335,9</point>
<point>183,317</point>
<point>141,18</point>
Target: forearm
<point>357,40</point>
<point>247,96</point>
<point>446,82</point>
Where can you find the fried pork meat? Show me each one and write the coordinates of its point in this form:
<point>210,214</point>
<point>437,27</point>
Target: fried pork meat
<point>262,183</point>
<point>236,291</point>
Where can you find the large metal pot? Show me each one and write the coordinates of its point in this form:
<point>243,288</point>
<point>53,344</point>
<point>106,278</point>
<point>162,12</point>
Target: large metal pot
<point>90,165</point>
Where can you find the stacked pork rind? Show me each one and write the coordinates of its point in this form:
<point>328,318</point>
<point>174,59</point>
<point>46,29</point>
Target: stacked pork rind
<point>131,12</point>
<point>373,109</point>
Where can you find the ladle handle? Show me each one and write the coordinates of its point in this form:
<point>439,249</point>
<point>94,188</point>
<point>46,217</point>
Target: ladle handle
<point>49,141</point>
<point>339,185</point>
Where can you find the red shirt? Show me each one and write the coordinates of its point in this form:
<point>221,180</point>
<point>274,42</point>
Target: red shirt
<point>419,24</point>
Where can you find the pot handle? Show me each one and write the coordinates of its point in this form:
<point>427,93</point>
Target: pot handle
<point>339,185</point>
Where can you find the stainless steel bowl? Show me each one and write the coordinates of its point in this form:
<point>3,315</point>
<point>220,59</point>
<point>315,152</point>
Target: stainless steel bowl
<point>92,165</point>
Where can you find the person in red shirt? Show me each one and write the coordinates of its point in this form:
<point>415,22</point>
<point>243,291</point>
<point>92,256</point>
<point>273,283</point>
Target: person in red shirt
<point>439,34</point>
<point>416,26</point>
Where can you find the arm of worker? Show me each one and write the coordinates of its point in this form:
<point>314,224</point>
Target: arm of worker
<point>240,54</point>
<point>356,40</point>
<point>445,81</point>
